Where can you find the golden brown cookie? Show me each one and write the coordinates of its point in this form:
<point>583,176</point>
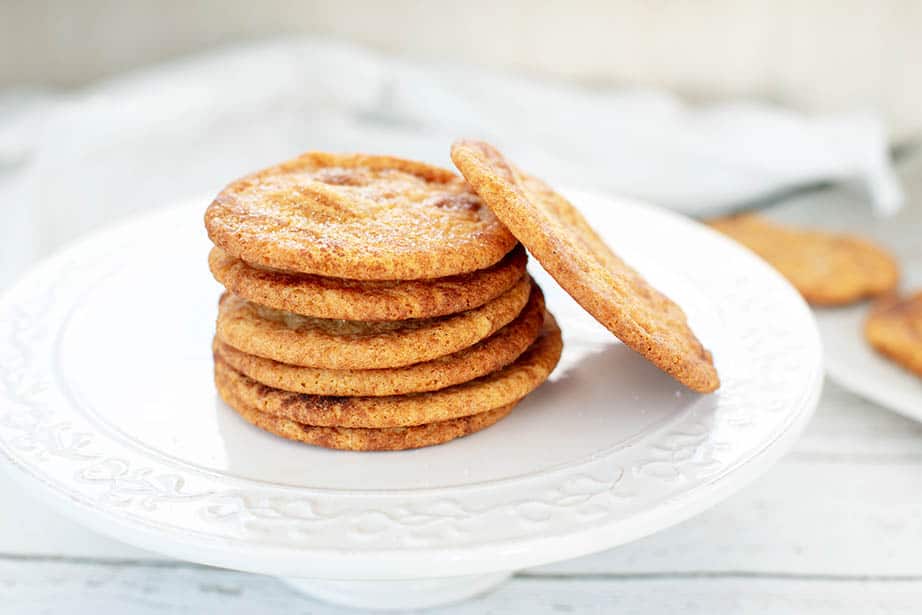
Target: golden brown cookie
<point>484,357</point>
<point>363,439</point>
<point>357,217</point>
<point>563,242</point>
<point>492,391</point>
<point>826,268</point>
<point>349,344</point>
<point>323,297</point>
<point>894,328</point>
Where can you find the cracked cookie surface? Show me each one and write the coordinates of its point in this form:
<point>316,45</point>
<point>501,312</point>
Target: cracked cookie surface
<point>357,217</point>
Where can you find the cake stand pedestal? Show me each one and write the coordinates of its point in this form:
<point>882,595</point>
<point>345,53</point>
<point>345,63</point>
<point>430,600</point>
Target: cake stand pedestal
<point>399,595</point>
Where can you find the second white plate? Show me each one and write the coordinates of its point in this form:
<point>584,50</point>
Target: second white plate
<point>855,365</point>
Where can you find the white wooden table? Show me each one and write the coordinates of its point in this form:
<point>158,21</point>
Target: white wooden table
<point>835,527</point>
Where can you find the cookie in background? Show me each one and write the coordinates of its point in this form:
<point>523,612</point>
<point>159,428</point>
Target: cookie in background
<point>828,269</point>
<point>894,329</point>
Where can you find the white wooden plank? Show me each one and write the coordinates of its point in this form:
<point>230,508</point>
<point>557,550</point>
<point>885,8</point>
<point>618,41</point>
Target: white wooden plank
<point>64,589</point>
<point>704,596</point>
<point>849,428</point>
<point>79,589</point>
<point>802,517</point>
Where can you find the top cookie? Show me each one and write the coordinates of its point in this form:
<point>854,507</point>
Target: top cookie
<point>827,269</point>
<point>358,217</point>
<point>563,242</point>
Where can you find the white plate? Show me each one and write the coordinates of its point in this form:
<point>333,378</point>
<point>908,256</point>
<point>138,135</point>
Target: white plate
<point>855,365</point>
<point>108,409</point>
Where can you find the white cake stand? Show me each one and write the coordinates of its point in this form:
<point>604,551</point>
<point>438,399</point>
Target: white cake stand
<point>107,409</point>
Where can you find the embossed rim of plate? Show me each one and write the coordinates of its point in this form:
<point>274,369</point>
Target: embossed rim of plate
<point>562,513</point>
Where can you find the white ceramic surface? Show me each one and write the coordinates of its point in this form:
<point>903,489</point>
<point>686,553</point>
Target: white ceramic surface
<point>854,364</point>
<point>108,410</point>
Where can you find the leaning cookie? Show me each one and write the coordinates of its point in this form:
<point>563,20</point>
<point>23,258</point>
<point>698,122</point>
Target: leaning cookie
<point>894,328</point>
<point>560,239</point>
<point>826,268</point>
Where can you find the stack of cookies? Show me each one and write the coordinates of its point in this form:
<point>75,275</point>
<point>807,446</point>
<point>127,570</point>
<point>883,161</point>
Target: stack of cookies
<point>376,303</point>
<point>372,303</point>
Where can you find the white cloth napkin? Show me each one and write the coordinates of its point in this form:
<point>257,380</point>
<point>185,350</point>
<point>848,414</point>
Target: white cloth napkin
<point>189,127</point>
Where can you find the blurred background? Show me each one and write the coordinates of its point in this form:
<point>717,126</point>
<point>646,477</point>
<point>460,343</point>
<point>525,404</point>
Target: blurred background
<point>108,108</point>
<point>820,55</point>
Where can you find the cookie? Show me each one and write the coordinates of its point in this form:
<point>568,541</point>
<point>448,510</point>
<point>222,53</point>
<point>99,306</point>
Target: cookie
<point>826,268</point>
<point>484,357</point>
<point>357,217</point>
<point>387,439</point>
<point>350,344</point>
<point>502,387</point>
<point>894,329</point>
<point>367,300</point>
<point>569,249</point>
